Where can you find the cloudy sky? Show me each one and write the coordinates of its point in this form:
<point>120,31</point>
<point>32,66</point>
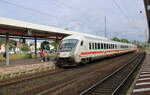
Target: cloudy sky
<point>123,17</point>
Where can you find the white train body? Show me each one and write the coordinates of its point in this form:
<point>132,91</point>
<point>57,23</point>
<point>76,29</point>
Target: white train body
<point>76,49</point>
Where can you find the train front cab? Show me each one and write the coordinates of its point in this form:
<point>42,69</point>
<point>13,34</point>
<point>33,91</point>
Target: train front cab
<point>65,56</point>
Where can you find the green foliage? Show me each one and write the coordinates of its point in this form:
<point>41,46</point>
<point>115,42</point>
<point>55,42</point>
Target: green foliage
<point>17,56</point>
<point>45,45</point>
<point>116,39</point>
<point>28,55</point>
<point>11,42</point>
<point>25,47</point>
<point>124,41</point>
<point>120,40</point>
<point>55,44</point>
<point>2,41</point>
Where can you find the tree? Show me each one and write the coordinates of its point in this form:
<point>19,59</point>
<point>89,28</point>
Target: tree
<point>25,47</point>
<point>124,41</point>
<point>121,40</point>
<point>54,44</point>
<point>116,39</point>
<point>45,45</point>
<point>12,44</point>
<point>2,41</point>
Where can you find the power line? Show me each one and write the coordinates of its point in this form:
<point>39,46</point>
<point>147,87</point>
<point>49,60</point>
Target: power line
<point>87,15</point>
<point>75,9</point>
<point>121,10</point>
<point>26,8</point>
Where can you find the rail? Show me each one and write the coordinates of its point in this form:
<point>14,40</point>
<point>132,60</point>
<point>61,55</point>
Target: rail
<point>105,85</point>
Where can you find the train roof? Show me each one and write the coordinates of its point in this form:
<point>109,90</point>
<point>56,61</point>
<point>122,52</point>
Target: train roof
<point>96,38</point>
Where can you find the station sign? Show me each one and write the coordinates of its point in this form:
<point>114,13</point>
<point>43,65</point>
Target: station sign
<point>29,32</point>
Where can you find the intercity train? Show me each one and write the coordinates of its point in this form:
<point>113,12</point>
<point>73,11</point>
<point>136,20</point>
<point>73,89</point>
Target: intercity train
<point>78,49</point>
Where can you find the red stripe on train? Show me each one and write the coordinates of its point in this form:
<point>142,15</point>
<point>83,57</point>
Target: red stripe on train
<point>96,52</point>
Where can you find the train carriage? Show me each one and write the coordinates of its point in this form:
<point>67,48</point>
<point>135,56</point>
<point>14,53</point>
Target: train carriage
<point>78,49</point>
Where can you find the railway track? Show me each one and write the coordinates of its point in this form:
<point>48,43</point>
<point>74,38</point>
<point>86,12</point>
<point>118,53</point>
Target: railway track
<point>29,77</point>
<point>111,84</point>
<point>60,89</point>
<point>63,82</point>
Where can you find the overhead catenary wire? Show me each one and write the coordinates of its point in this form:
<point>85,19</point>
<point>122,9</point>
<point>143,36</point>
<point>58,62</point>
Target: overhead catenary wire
<point>130,18</point>
<point>26,8</point>
<point>121,10</point>
<point>76,9</point>
<point>61,4</point>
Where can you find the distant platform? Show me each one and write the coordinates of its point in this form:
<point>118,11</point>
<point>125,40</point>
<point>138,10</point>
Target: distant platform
<point>17,70</point>
<point>142,86</point>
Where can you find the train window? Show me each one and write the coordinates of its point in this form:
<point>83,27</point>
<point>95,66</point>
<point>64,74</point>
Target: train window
<point>110,46</point>
<point>115,46</point>
<point>93,45</point>
<point>107,46</point>
<point>104,46</point>
<point>81,43</point>
<point>101,45</point>
<point>89,45</point>
<point>67,45</point>
<point>98,45</point>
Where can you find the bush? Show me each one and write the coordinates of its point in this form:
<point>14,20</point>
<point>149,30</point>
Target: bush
<point>25,47</point>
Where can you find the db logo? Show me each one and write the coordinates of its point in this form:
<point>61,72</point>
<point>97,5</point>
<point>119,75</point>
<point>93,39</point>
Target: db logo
<point>64,54</point>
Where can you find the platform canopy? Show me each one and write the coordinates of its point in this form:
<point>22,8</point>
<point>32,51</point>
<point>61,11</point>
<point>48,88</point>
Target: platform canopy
<point>26,29</point>
<point>147,9</point>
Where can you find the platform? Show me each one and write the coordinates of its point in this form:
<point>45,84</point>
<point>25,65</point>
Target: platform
<point>12,71</point>
<point>142,85</point>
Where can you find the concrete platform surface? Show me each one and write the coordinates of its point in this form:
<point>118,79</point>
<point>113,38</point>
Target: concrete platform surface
<point>142,86</point>
<point>18,70</point>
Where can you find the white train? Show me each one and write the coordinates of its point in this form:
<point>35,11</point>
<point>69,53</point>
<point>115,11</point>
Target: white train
<point>77,49</point>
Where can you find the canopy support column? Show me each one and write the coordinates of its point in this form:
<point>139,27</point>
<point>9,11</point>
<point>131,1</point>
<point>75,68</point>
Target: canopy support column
<point>35,46</point>
<point>7,50</point>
